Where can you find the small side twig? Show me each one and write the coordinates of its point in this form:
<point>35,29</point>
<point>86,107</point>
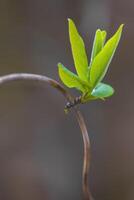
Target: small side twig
<point>72,101</point>
<point>37,78</point>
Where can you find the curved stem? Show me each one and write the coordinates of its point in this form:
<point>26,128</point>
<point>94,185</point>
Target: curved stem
<point>80,119</point>
<point>87,156</point>
<point>37,78</point>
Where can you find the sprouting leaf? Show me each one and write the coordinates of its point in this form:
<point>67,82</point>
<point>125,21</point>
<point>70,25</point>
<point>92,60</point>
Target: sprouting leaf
<point>71,80</point>
<point>78,51</point>
<point>98,43</point>
<point>103,34</point>
<point>102,91</point>
<point>89,78</point>
<point>101,62</point>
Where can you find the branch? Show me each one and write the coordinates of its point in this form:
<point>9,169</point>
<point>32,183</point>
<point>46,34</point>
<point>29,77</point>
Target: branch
<point>87,148</point>
<point>37,78</point>
<point>87,156</point>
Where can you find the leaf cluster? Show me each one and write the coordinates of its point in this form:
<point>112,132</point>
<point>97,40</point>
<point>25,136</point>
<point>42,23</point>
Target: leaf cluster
<point>90,73</point>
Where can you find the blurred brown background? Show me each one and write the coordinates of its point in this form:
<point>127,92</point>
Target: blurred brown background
<point>41,148</point>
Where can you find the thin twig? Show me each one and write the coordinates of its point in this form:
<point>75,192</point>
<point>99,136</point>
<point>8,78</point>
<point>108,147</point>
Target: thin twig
<point>70,98</point>
<point>87,156</point>
<point>37,78</point>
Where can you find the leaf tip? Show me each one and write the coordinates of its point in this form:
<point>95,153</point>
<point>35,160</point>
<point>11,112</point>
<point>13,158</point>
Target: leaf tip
<point>59,64</point>
<point>104,33</point>
<point>119,31</point>
<point>98,30</point>
<point>121,27</point>
<point>70,21</point>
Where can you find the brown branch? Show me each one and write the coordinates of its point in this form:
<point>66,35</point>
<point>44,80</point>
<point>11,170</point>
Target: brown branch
<point>87,156</point>
<point>87,148</point>
<point>37,78</point>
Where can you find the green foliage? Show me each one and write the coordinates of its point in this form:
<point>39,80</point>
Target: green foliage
<point>71,80</point>
<point>102,91</point>
<point>102,60</point>
<point>78,51</point>
<point>89,76</point>
<point>99,40</point>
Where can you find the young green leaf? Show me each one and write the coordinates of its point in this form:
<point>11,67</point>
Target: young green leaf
<point>104,35</point>
<point>71,80</point>
<point>98,43</point>
<point>101,62</point>
<point>78,51</point>
<point>102,91</point>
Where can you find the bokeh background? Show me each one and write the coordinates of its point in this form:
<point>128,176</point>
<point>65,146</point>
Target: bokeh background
<point>40,147</point>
